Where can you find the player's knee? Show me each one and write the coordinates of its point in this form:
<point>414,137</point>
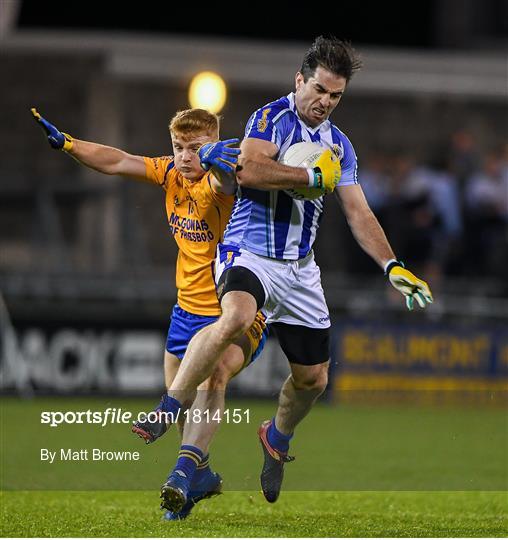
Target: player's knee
<point>234,324</point>
<point>219,379</point>
<point>314,379</point>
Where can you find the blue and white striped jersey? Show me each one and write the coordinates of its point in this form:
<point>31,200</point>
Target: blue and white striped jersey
<point>271,223</point>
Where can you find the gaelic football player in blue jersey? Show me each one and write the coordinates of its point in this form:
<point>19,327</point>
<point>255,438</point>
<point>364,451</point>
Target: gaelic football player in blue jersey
<point>266,258</point>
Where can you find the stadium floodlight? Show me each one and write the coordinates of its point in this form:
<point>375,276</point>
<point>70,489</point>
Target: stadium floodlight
<point>207,90</point>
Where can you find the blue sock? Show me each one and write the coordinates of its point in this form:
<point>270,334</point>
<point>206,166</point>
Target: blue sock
<point>202,470</point>
<point>169,404</point>
<point>189,458</point>
<point>278,440</point>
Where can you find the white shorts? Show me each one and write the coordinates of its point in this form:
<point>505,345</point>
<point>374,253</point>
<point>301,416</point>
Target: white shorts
<point>293,291</point>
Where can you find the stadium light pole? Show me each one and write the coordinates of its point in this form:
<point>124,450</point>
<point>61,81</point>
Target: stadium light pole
<point>208,91</point>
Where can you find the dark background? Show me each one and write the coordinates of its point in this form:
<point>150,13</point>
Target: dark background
<point>430,24</point>
<point>91,253</point>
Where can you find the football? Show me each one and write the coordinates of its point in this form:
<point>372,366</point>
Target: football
<point>303,154</point>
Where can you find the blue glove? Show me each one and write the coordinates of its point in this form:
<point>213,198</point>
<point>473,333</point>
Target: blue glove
<point>57,139</point>
<point>220,154</point>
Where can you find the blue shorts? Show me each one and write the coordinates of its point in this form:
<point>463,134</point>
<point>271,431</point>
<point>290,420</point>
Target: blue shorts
<point>185,325</point>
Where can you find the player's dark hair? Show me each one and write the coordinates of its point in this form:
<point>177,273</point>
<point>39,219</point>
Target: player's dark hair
<point>334,55</point>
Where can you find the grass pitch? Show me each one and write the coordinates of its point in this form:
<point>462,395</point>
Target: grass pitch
<point>246,514</point>
<point>360,471</point>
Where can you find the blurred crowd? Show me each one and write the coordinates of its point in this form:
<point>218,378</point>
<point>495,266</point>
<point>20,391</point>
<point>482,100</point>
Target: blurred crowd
<point>449,215</point>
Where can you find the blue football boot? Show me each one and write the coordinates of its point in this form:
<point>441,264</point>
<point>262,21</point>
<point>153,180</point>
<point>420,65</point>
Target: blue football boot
<point>174,493</point>
<point>207,487</point>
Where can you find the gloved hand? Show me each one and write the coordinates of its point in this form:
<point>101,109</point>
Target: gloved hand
<point>409,285</point>
<point>220,154</point>
<point>57,139</point>
<point>327,171</point>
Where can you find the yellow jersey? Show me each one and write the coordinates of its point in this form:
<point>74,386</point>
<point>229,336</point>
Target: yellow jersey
<point>197,217</point>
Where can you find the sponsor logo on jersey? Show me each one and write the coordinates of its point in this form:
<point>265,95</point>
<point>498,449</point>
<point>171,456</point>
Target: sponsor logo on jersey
<point>194,230</point>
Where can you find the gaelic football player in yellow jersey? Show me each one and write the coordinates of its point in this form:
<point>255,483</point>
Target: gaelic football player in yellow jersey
<point>199,181</point>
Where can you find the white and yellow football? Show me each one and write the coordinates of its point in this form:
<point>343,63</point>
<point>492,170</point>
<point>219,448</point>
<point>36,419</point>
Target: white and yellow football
<point>303,154</point>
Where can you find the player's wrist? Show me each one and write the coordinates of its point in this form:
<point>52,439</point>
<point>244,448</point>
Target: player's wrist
<point>311,178</point>
<point>205,166</point>
<point>68,142</point>
<point>315,177</point>
<point>392,263</point>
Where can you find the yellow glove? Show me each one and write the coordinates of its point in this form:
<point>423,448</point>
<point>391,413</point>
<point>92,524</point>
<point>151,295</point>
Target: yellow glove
<point>327,171</point>
<point>409,285</point>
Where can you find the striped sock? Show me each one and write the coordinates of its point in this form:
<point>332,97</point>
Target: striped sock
<point>189,458</point>
<point>278,440</point>
<point>203,469</point>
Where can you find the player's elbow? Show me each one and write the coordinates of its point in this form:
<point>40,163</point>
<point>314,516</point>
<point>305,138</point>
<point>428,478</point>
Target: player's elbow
<point>110,170</point>
<point>116,162</point>
<point>358,213</point>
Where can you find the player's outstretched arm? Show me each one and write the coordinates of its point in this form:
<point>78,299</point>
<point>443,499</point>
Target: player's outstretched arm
<point>221,158</point>
<point>105,159</point>
<point>371,237</point>
<point>258,169</point>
